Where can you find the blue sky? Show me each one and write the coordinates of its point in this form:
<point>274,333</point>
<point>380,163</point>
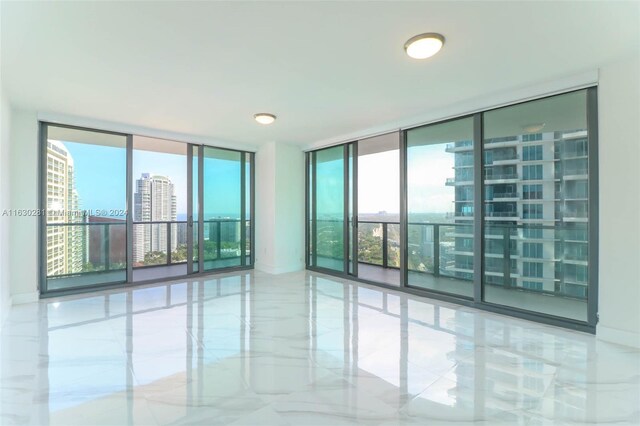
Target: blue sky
<point>100,174</point>
<point>378,182</point>
<point>100,180</point>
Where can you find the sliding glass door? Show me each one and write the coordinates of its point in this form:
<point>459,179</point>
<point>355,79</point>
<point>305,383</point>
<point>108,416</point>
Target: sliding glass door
<point>221,205</point>
<point>329,214</point>
<point>353,209</point>
<point>497,209</point>
<point>440,195</point>
<point>225,221</point>
<point>159,186</point>
<point>84,197</point>
<point>378,209</point>
<point>190,208</point>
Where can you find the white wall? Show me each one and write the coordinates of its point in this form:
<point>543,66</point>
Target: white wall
<point>265,161</point>
<point>619,149</point>
<point>290,206</point>
<point>5,193</point>
<point>279,208</point>
<point>24,195</point>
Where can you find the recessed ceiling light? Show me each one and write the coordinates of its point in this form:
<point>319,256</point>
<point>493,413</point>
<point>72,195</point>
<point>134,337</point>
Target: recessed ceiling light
<point>424,45</point>
<point>264,118</point>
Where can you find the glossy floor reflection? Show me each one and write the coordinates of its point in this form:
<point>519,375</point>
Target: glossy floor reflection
<point>300,348</point>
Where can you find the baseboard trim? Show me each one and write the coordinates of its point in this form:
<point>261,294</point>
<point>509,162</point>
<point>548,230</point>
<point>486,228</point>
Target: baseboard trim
<point>620,337</point>
<point>277,270</point>
<point>22,298</point>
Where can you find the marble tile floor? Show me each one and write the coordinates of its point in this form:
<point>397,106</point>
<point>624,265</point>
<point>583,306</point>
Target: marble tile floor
<point>300,349</point>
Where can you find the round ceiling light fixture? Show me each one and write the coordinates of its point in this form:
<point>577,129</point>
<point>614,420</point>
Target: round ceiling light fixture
<point>264,118</point>
<point>424,45</point>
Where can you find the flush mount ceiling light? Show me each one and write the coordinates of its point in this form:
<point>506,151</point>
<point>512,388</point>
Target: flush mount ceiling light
<point>533,128</point>
<point>424,45</point>
<point>264,118</point>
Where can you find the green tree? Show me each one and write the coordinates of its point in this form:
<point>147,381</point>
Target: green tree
<point>155,258</point>
<point>179,254</point>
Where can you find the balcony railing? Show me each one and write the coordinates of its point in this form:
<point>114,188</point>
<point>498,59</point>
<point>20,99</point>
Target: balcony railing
<point>503,158</point>
<point>79,248</point>
<point>575,172</point>
<point>502,214</point>
<point>432,246</point>
<point>443,249</point>
<point>158,243</point>
<point>500,176</point>
<point>502,139</point>
<point>505,195</point>
<point>163,243</point>
<point>222,239</point>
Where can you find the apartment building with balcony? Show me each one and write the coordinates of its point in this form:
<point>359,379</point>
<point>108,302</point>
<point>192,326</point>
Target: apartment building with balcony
<point>155,201</point>
<point>67,249</point>
<point>533,181</point>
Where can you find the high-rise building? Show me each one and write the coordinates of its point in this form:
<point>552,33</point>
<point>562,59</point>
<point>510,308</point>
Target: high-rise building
<point>154,201</point>
<point>534,183</point>
<point>66,249</point>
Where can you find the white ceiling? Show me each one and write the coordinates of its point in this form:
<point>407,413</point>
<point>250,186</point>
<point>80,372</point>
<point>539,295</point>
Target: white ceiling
<point>325,68</point>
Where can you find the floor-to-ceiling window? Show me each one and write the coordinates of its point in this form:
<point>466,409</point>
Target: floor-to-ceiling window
<point>440,194</point>
<point>123,208</point>
<point>328,209</point>
<point>497,209</point>
<point>536,176</point>
<point>225,207</point>
<point>159,186</point>
<point>84,197</point>
<point>378,204</point>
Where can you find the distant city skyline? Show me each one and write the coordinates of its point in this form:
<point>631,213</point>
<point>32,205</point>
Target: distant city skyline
<point>377,192</point>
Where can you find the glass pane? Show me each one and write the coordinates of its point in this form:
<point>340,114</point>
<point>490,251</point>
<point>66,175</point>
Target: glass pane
<point>536,199</point>
<point>329,220</point>
<point>86,213</point>
<point>159,187</point>
<point>379,209</point>
<point>222,205</point>
<point>440,207</point>
<point>150,244</point>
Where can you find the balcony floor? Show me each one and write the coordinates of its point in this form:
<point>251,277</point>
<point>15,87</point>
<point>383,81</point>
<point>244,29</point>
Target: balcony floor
<point>159,272</point>
<point>517,298</point>
<point>379,274</point>
<point>140,274</point>
<point>250,348</point>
